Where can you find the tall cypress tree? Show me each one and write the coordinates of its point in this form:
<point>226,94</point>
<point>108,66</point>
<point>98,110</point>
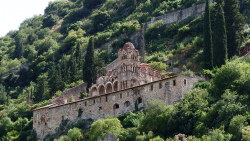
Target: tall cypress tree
<point>79,60</point>
<point>220,37</point>
<point>3,95</point>
<point>233,20</point>
<point>89,67</point>
<point>55,79</point>
<point>208,50</point>
<point>78,53</point>
<point>73,69</point>
<point>42,88</point>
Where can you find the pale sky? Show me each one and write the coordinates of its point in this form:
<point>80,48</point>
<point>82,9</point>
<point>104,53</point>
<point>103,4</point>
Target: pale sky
<point>13,12</point>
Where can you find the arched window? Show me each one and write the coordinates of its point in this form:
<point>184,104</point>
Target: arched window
<point>94,91</point>
<point>139,100</point>
<point>127,104</point>
<point>115,86</point>
<point>185,82</point>
<point>116,106</point>
<point>101,90</point>
<point>108,88</point>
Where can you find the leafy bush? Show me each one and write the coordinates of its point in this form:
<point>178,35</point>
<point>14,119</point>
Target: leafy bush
<point>75,134</point>
<point>130,27</point>
<point>246,133</point>
<point>59,8</point>
<point>91,4</point>
<point>236,125</point>
<point>50,20</point>
<point>100,20</point>
<point>102,127</point>
<point>161,67</point>
<point>154,31</point>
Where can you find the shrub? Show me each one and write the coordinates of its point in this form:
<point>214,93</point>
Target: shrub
<point>246,133</point>
<point>130,27</point>
<point>183,31</point>
<point>217,135</point>
<point>154,31</point>
<point>161,67</point>
<point>102,127</point>
<point>91,4</point>
<point>236,125</point>
<point>101,19</point>
<point>74,134</point>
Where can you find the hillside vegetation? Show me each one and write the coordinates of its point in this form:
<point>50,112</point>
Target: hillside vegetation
<point>48,53</point>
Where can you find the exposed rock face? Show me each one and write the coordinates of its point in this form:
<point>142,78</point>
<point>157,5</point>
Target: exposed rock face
<point>130,85</point>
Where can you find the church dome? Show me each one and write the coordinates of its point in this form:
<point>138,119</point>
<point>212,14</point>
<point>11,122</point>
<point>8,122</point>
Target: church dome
<point>128,46</point>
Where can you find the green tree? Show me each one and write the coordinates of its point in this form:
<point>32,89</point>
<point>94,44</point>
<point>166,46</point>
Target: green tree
<point>224,110</point>
<point>42,88</point>
<point>161,67</point>
<point>73,69</point>
<point>158,138</point>
<point>20,41</point>
<point>217,135</point>
<point>55,79</point>
<point>150,121</point>
<point>89,67</point>
<point>101,20</point>
<point>50,20</point>
<point>3,95</point>
<point>78,55</point>
<point>219,38</point>
<point>102,127</point>
<point>91,4</point>
<point>74,134</point>
<point>236,125</point>
<point>233,20</point>
<point>208,49</point>
<point>246,133</point>
<point>71,40</point>
<point>64,138</point>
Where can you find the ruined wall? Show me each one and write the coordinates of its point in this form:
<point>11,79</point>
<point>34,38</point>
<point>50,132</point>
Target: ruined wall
<point>65,97</point>
<point>167,19</point>
<point>47,119</point>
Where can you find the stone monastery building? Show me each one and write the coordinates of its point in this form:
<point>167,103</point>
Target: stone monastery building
<point>128,85</point>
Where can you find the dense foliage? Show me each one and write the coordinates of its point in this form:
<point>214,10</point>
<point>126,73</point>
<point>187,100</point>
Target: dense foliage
<point>45,56</point>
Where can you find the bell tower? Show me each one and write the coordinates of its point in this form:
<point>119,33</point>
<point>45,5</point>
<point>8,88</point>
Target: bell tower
<point>129,61</point>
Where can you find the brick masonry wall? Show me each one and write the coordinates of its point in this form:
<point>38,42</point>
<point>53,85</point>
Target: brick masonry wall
<point>46,120</point>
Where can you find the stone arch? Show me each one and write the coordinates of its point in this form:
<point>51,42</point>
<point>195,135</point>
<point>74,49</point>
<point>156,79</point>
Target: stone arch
<point>101,90</point>
<point>115,86</point>
<point>116,106</point>
<point>116,109</point>
<point>93,91</point>
<point>109,88</point>
<point>138,100</point>
<point>133,82</point>
<point>127,104</point>
<point>138,103</point>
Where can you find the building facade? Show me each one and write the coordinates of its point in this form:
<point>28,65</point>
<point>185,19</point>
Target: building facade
<point>128,85</point>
